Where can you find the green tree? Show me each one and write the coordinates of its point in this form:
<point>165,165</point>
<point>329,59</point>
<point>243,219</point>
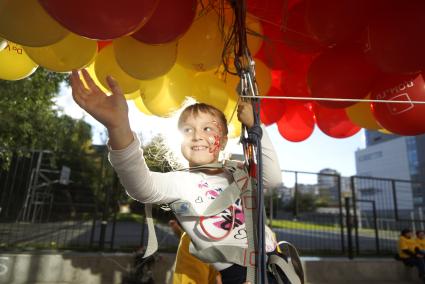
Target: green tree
<point>27,116</point>
<point>305,203</point>
<point>159,158</point>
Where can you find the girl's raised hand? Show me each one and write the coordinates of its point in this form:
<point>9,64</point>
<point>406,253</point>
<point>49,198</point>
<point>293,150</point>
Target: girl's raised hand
<point>111,111</point>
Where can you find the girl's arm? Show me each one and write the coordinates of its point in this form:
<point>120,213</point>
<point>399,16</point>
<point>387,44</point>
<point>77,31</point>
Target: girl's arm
<point>125,153</point>
<point>139,182</point>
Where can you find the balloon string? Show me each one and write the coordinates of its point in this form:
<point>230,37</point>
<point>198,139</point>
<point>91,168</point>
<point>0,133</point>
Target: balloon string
<point>334,99</point>
<point>282,27</point>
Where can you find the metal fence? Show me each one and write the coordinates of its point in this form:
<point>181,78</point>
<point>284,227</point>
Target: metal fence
<point>322,214</point>
<point>43,208</point>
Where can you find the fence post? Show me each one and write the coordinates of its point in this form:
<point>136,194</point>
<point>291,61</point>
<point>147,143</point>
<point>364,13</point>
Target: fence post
<point>349,228</point>
<point>375,219</point>
<point>104,221</point>
<point>114,218</point>
<point>395,200</point>
<point>295,213</point>
<point>356,221</point>
<point>341,215</point>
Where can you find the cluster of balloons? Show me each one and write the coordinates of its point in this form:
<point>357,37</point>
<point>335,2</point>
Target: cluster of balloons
<point>352,50</point>
<point>163,51</point>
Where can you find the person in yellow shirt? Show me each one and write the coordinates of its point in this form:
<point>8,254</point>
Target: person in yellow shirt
<point>188,269</point>
<point>420,242</point>
<point>408,254</point>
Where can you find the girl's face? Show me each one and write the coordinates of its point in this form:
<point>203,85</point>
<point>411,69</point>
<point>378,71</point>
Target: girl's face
<point>202,139</point>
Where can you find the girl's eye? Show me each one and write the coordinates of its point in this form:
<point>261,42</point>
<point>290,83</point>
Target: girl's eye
<point>207,129</point>
<point>187,130</point>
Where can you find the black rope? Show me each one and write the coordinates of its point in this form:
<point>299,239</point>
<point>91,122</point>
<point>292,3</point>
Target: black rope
<point>236,41</point>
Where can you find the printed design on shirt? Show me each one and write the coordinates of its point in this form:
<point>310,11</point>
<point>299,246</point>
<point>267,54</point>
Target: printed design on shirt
<point>224,219</point>
<point>241,234</point>
<point>199,199</point>
<point>203,184</point>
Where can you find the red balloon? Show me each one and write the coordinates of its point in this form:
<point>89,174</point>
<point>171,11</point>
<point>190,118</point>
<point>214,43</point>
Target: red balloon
<point>277,55</point>
<point>295,32</point>
<point>103,43</point>
<point>170,20</point>
<point>400,118</point>
<point>335,21</point>
<point>98,19</point>
<point>270,10</point>
<point>395,37</point>
<point>334,122</point>
<point>297,122</point>
<point>295,85</point>
<point>278,77</point>
<point>271,110</point>
<point>341,72</point>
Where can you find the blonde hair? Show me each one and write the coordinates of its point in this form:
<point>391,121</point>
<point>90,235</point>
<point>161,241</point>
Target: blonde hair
<point>195,109</point>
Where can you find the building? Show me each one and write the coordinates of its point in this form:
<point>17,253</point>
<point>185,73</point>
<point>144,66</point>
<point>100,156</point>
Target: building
<point>328,183</point>
<point>392,157</point>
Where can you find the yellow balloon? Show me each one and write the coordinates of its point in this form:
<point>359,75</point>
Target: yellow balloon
<point>133,95</point>
<point>263,77</point>
<point>232,83</point>
<point>15,63</point>
<point>383,130</point>
<point>71,53</point>
<point>235,128</point>
<point>200,48</point>
<point>90,70</point>
<point>209,89</point>
<point>144,61</point>
<point>92,73</point>
<point>230,112</point>
<point>164,95</point>
<point>27,23</point>
<point>105,64</point>
<point>140,105</point>
<point>361,114</point>
<point>3,43</point>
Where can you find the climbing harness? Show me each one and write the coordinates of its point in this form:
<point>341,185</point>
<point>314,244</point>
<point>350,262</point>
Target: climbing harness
<point>284,265</point>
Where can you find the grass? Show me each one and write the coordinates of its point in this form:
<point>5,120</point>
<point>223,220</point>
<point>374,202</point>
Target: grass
<point>288,224</point>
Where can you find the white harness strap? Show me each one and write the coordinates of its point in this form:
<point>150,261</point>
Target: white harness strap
<point>152,245</point>
<point>292,267</point>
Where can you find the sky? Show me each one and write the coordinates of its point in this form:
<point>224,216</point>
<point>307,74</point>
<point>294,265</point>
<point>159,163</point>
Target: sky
<point>317,152</point>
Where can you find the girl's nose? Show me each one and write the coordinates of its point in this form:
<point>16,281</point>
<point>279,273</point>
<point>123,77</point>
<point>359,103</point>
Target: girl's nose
<point>196,135</point>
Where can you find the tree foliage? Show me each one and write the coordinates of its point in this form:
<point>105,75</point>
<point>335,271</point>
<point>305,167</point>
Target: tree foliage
<point>26,110</point>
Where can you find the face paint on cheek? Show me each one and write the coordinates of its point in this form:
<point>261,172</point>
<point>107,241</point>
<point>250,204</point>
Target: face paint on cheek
<point>215,140</point>
<point>215,143</point>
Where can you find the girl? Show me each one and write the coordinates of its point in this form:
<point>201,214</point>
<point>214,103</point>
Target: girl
<point>204,135</point>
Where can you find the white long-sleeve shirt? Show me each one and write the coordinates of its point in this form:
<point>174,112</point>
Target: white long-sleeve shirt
<point>199,188</point>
